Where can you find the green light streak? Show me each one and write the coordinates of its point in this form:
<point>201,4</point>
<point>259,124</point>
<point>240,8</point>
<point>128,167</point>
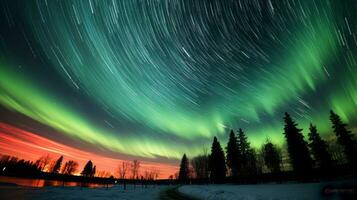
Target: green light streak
<point>114,58</point>
<point>20,94</point>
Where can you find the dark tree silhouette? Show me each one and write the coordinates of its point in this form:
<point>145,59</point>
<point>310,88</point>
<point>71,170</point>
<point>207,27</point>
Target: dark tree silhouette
<point>70,167</point>
<point>345,139</point>
<point>184,169</point>
<point>123,169</point>
<point>272,157</point>
<point>217,162</point>
<point>297,147</point>
<point>87,170</point>
<point>319,150</point>
<point>251,166</point>
<point>233,154</point>
<point>57,165</point>
<point>43,162</point>
<point>94,170</point>
<point>10,165</point>
<point>135,166</point>
<point>200,165</point>
<point>245,151</point>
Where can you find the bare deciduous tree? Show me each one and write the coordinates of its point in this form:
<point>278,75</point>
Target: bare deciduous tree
<point>147,175</point>
<point>70,167</point>
<point>123,169</point>
<point>151,174</point>
<point>135,166</point>
<point>43,162</point>
<point>103,174</point>
<point>156,173</point>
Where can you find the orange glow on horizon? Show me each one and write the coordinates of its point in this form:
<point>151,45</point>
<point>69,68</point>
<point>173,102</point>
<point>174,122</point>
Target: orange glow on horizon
<point>29,146</point>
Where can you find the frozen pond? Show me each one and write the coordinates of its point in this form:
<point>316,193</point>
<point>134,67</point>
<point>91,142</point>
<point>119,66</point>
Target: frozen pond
<point>59,193</point>
<point>43,183</point>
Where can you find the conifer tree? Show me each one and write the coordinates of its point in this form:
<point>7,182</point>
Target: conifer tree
<point>345,139</point>
<point>233,154</point>
<point>272,157</point>
<point>251,165</point>
<point>87,170</point>
<point>244,150</point>
<point>217,162</point>
<point>57,166</point>
<point>94,170</point>
<point>184,169</point>
<point>319,149</point>
<point>297,147</point>
<point>243,143</point>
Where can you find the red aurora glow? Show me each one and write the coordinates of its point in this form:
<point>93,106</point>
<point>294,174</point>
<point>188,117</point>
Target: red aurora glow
<point>29,146</point>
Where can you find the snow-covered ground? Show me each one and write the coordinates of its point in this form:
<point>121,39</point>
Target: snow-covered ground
<point>60,193</point>
<point>313,191</point>
<point>204,192</point>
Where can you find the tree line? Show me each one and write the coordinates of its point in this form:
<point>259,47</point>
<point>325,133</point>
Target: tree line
<point>131,170</point>
<point>307,159</point>
<point>13,166</point>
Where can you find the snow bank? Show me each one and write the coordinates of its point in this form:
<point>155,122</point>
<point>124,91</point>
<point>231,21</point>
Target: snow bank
<point>60,193</point>
<point>296,191</point>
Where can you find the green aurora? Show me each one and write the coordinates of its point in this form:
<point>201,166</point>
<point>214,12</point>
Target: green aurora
<point>169,76</point>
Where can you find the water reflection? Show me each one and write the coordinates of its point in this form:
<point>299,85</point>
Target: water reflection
<point>43,183</point>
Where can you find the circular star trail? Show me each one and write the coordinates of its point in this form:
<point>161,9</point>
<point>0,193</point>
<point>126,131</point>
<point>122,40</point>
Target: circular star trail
<point>167,76</point>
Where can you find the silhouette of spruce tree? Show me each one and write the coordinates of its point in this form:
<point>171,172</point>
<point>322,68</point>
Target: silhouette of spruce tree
<point>244,149</point>
<point>272,157</point>
<point>94,170</point>
<point>233,154</point>
<point>251,166</point>
<point>57,166</point>
<point>345,139</point>
<point>319,150</point>
<point>297,147</point>
<point>217,162</point>
<point>87,170</point>
<point>184,170</point>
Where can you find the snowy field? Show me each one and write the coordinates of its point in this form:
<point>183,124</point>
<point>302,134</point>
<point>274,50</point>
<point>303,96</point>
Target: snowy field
<point>313,191</point>
<point>204,192</point>
<point>77,193</point>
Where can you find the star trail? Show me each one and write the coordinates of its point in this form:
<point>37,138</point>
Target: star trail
<point>154,79</point>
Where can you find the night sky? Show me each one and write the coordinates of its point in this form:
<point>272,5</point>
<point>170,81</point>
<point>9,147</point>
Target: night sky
<point>151,80</point>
